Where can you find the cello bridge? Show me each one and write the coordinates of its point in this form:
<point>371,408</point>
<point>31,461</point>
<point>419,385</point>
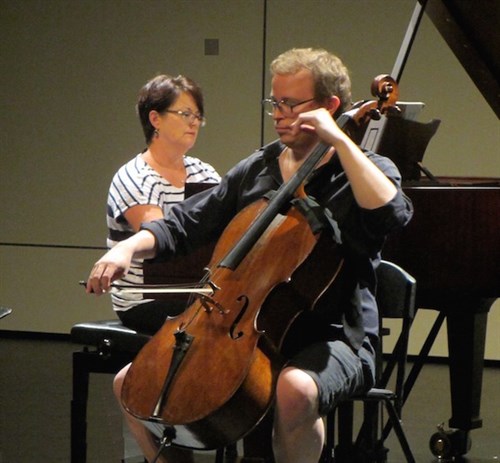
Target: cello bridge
<point>209,304</point>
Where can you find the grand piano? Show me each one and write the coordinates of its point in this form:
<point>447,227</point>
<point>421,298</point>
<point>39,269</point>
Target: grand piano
<point>452,245</point>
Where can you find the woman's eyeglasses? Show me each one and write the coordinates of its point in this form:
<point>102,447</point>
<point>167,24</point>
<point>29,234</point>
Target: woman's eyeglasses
<point>188,116</point>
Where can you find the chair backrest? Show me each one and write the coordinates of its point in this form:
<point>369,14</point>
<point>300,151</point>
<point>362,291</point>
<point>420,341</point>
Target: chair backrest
<point>396,290</point>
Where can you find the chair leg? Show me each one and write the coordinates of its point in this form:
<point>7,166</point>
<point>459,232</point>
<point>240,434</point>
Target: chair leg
<point>398,429</point>
<point>228,454</point>
<point>345,412</point>
<point>84,363</point>
<point>328,451</point>
<point>344,451</point>
<point>368,434</point>
<point>79,408</point>
<point>231,453</point>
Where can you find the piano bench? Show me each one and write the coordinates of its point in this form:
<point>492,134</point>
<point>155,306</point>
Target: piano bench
<point>108,347</point>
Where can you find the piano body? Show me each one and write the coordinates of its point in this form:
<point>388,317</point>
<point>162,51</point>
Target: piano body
<point>452,244</point>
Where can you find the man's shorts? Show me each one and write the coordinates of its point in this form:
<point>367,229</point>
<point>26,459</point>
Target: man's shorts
<point>338,371</point>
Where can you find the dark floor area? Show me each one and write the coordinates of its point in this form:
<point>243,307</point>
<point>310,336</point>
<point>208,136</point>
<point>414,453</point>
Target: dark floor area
<point>35,395</point>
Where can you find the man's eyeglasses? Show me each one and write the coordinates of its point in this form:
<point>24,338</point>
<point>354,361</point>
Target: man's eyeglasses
<point>188,116</point>
<point>285,105</point>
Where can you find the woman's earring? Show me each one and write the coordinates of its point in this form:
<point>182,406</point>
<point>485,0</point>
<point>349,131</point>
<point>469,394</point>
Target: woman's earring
<point>156,133</point>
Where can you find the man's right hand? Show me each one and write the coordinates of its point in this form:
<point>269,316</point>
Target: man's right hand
<point>110,267</point>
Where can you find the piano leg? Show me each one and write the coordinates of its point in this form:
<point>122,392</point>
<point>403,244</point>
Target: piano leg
<point>466,327</point>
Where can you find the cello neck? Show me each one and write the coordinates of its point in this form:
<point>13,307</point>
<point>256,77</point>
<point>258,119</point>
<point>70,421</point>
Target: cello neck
<point>279,201</point>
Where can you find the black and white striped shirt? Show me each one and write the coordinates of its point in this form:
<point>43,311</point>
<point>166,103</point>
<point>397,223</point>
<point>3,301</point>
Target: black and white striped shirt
<point>137,183</point>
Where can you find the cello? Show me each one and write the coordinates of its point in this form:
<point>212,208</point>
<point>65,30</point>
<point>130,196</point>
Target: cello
<point>232,334</point>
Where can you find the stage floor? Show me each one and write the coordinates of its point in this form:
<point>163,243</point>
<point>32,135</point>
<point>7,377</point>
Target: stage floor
<point>35,396</point>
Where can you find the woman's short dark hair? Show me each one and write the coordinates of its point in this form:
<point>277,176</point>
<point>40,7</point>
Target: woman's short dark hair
<point>160,93</point>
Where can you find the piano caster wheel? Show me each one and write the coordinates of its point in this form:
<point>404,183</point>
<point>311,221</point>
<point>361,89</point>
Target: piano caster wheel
<point>449,444</point>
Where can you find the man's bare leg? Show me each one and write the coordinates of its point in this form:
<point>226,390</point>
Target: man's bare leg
<point>144,438</point>
<point>298,429</point>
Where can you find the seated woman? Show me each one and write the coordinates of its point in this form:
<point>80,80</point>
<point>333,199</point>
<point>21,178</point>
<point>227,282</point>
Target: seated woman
<point>171,113</point>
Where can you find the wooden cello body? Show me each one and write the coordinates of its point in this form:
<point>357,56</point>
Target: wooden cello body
<point>209,375</point>
<point>226,377</point>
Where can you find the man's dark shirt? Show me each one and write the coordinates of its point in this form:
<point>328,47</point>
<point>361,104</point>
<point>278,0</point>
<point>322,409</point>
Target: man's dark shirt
<point>361,232</point>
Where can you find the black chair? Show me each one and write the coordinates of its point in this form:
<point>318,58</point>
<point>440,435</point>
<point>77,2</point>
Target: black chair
<point>396,299</point>
<point>108,347</point>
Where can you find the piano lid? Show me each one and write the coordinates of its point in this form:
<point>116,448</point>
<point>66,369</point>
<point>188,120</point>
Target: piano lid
<point>472,31</point>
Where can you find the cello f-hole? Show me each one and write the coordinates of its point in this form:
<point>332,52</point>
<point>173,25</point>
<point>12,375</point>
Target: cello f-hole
<point>239,317</point>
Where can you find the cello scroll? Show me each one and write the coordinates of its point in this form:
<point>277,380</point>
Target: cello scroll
<point>355,121</point>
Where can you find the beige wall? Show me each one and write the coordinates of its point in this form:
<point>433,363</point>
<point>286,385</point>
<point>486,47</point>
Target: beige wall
<point>70,76</point>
